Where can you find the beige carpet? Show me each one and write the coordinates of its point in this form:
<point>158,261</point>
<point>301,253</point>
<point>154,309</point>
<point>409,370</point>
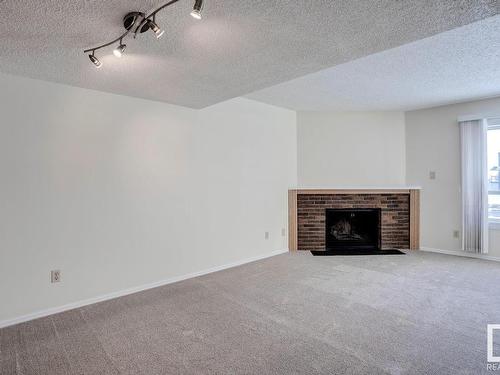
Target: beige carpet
<point>421,313</point>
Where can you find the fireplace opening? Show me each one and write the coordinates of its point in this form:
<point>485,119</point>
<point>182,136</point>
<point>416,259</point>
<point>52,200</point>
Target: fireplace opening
<point>352,229</point>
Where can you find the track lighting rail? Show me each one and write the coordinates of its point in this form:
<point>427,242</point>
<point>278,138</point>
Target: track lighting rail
<point>108,44</point>
<point>137,22</point>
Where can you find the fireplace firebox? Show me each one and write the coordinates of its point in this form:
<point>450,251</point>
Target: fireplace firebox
<point>352,229</point>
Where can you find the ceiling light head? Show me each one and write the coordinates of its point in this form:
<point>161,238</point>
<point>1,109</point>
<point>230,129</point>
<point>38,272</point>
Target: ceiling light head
<point>159,33</point>
<point>95,61</point>
<point>120,50</point>
<point>151,24</point>
<point>197,9</point>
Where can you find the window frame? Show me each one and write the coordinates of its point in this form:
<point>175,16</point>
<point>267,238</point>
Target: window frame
<point>493,223</point>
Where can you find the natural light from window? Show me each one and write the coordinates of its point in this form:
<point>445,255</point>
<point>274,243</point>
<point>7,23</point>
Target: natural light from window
<point>494,170</point>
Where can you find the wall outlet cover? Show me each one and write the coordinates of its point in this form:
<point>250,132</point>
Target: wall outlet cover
<point>432,175</point>
<point>266,235</point>
<point>55,276</point>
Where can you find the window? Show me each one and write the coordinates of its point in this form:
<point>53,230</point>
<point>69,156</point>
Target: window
<point>493,147</point>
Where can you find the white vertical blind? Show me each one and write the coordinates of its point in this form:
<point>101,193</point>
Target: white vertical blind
<point>474,186</point>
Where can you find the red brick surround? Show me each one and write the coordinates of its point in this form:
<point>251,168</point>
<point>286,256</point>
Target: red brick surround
<point>395,223</point>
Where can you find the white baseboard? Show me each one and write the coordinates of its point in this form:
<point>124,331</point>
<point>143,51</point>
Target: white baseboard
<point>461,254</point>
<point>90,301</point>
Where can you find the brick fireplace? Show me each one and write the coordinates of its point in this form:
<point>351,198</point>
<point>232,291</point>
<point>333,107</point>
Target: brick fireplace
<point>399,219</point>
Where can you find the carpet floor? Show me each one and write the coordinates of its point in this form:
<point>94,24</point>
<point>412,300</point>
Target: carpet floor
<point>422,313</point>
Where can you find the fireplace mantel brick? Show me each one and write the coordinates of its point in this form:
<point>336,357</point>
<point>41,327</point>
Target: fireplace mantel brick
<point>395,223</point>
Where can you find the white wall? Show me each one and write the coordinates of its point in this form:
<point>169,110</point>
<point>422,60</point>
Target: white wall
<point>351,149</point>
<point>433,144</point>
<point>118,192</point>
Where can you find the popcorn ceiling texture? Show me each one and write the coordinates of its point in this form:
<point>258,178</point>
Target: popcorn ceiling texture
<point>455,66</point>
<point>239,47</point>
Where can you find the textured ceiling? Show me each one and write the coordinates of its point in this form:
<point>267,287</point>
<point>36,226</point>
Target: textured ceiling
<point>454,66</point>
<point>239,46</point>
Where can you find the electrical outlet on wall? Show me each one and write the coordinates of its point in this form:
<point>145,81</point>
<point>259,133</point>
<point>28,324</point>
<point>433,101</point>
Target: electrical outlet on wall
<point>266,235</point>
<point>456,234</point>
<point>432,175</point>
<point>55,276</point>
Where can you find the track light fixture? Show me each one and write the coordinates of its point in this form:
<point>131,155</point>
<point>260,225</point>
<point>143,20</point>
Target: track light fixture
<point>120,50</point>
<point>137,22</point>
<point>95,60</point>
<point>197,8</point>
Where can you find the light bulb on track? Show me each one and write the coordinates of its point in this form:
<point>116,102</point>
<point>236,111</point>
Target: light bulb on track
<point>95,61</point>
<point>120,50</point>
<point>197,8</point>
<point>159,33</point>
<point>151,24</point>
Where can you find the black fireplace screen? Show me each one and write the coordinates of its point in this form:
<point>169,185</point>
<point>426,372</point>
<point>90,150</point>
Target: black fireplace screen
<point>353,228</point>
